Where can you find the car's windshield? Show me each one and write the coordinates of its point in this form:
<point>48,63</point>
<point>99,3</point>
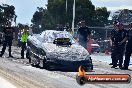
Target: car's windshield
<point>51,36</point>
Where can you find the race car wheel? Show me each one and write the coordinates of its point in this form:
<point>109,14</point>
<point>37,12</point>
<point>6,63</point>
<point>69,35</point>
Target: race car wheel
<point>33,61</point>
<point>44,63</point>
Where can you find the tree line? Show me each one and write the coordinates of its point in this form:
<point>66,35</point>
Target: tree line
<point>7,14</point>
<point>57,13</point>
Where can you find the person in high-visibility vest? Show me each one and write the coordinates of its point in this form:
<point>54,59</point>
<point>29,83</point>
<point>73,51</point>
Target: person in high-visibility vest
<point>24,38</point>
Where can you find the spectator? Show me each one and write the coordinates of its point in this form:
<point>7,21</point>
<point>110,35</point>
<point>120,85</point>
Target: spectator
<point>9,34</point>
<point>112,37</point>
<point>119,42</point>
<point>83,35</point>
<point>24,37</point>
<point>128,50</point>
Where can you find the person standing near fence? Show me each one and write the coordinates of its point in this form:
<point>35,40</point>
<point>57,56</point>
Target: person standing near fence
<point>112,37</point>
<point>120,38</point>
<point>24,38</point>
<point>9,35</point>
<point>84,36</point>
<point>128,49</point>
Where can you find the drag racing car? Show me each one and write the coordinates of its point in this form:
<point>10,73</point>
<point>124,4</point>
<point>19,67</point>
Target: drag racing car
<point>57,49</point>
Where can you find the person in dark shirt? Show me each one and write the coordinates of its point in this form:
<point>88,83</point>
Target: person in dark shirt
<point>8,37</point>
<point>128,49</point>
<point>60,27</point>
<point>113,32</point>
<point>119,42</point>
<point>83,34</point>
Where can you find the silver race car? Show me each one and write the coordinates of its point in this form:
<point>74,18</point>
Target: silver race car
<point>57,49</point>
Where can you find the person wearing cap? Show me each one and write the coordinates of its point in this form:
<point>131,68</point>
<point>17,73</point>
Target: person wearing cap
<point>120,39</point>
<point>83,34</point>
<point>9,35</point>
<point>128,49</point>
<point>24,38</point>
<point>113,33</point>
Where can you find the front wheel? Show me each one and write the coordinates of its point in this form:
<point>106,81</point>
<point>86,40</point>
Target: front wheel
<point>34,63</point>
<point>42,63</point>
<point>33,60</point>
<point>46,64</point>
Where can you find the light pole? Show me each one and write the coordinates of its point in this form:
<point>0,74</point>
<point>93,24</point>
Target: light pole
<point>66,6</point>
<point>73,20</point>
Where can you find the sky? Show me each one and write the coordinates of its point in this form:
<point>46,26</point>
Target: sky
<point>25,8</point>
<point>113,5</point>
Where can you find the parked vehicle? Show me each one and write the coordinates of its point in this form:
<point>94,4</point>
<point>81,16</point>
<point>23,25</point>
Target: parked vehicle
<point>95,48</point>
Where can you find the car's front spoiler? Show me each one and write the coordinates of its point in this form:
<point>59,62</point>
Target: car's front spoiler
<point>72,65</point>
